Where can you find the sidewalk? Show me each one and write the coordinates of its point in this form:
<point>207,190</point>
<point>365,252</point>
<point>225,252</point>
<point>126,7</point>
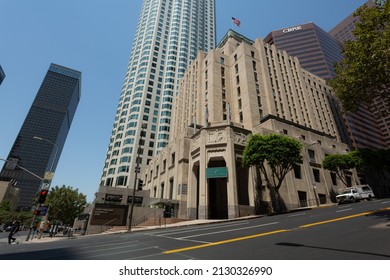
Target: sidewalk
<point>134,229</point>
<point>147,228</point>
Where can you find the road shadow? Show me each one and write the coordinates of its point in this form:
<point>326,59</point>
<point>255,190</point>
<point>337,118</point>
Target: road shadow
<point>331,249</point>
<point>49,254</point>
<point>380,214</point>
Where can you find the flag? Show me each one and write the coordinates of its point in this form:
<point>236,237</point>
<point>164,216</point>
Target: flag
<point>236,21</point>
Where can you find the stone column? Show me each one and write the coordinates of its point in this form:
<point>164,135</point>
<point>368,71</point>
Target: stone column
<point>230,158</point>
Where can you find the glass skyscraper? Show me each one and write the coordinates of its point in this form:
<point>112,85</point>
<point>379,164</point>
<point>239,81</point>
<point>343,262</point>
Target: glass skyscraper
<point>2,75</point>
<point>168,37</point>
<point>39,143</point>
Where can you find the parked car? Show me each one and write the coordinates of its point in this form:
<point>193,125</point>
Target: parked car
<point>355,194</point>
<point>8,228</point>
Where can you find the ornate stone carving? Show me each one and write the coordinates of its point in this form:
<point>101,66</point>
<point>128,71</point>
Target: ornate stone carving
<point>217,136</point>
<point>240,138</point>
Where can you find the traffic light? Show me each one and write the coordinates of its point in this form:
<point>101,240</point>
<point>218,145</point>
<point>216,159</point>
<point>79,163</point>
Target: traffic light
<point>42,196</point>
<point>36,212</point>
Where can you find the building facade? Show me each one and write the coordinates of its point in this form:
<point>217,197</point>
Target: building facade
<point>169,35</point>
<point>379,114</point>
<point>39,143</point>
<point>343,31</point>
<point>2,75</point>
<point>317,52</point>
<point>240,88</point>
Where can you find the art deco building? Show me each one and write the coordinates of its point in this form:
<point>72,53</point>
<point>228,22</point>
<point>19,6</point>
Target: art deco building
<point>240,88</point>
<point>317,52</point>
<point>38,145</point>
<point>169,35</point>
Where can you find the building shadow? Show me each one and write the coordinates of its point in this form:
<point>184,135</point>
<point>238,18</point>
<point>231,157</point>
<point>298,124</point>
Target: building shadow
<point>331,249</point>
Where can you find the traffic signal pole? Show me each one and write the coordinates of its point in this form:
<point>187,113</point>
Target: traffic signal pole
<point>14,164</point>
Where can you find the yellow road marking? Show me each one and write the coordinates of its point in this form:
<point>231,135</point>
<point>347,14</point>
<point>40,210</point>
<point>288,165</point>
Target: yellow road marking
<point>343,218</point>
<point>223,242</point>
<point>268,233</point>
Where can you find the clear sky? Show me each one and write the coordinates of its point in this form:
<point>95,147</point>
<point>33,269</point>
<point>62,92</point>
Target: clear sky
<point>95,37</point>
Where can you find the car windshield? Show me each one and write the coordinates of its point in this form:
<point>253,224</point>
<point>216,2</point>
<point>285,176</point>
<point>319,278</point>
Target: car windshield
<point>345,192</point>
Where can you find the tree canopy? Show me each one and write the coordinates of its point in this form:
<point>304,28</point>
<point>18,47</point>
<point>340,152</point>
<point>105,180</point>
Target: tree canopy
<point>342,164</point>
<point>275,155</point>
<point>65,204</point>
<point>363,76</point>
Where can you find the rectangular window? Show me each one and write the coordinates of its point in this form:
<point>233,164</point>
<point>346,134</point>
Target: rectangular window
<point>312,156</point>
<point>297,172</point>
<point>162,190</point>
<point>334,178</point>
<point>173,159</point>
<point>316,175</point>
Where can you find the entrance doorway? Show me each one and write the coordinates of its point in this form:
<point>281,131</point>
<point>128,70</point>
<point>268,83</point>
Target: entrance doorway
<point>218,201</point>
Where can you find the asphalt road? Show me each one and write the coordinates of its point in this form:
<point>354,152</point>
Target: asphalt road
<point>358,231</point>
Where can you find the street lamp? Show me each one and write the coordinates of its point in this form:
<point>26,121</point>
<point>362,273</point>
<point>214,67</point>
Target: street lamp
<point>143,126</point>
<point>55,150</point>
<point>35,175</point>
<point>48,176</point>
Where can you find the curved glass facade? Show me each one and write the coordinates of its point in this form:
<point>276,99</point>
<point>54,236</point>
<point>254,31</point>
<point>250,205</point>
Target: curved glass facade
<point>168,37</point>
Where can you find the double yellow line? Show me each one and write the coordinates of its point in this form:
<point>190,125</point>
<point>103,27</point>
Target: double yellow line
<point>268,233</point>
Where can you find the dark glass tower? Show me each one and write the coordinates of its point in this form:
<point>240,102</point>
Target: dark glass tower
<point>2,75</point>
<point>49,121</point>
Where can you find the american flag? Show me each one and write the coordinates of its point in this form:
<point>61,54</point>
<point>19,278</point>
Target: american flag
<point>236,21</point>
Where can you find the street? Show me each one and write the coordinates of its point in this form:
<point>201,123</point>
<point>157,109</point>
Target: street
<point>358,231</point>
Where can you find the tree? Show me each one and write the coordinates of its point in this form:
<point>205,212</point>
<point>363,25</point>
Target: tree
<point>65,204</point>
<point>275,155</point>
<point>342,164</point>
<point>7,215</point>
<point>363,76</point>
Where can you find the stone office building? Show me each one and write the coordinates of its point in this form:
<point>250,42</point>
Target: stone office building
<point>240,88</point>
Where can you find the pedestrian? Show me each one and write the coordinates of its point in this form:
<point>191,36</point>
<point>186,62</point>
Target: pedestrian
<point>14,230</point>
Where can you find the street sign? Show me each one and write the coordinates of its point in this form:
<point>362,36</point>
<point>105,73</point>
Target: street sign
<point>45,186</point>
<point>48,176</point>
<point>216,172</point>
<point>43,210</point>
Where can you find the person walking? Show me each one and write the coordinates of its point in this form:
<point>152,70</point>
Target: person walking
<point>14,230</point>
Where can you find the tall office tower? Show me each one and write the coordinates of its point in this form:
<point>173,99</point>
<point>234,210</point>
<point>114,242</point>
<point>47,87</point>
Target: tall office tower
<point>239,88</point>
<point>317,52</point>
<point>39,144</point>
<point>2,75</point>
<point>379,112</point>
<point>344,30</point>
<point>168,37</point>
<point>316,49</point>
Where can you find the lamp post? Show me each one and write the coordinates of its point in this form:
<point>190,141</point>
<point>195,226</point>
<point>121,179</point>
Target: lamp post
<point>143,126</point>
<point>49,176</point>
<point>55,150</point>
<point>35,175</point>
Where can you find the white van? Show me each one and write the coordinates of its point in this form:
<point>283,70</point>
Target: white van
<point>355,193</point>
<point>365,192</point>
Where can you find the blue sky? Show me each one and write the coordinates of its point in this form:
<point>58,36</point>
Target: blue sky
<point>95,37</point>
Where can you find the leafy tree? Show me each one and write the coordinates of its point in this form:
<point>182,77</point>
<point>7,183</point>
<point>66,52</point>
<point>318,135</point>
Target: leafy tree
<point>7,215</point>
<point>65,204</point>
<point>374,159</point>
<point>342,164</point>
<point>364,74</point>
<point>275,155</point>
